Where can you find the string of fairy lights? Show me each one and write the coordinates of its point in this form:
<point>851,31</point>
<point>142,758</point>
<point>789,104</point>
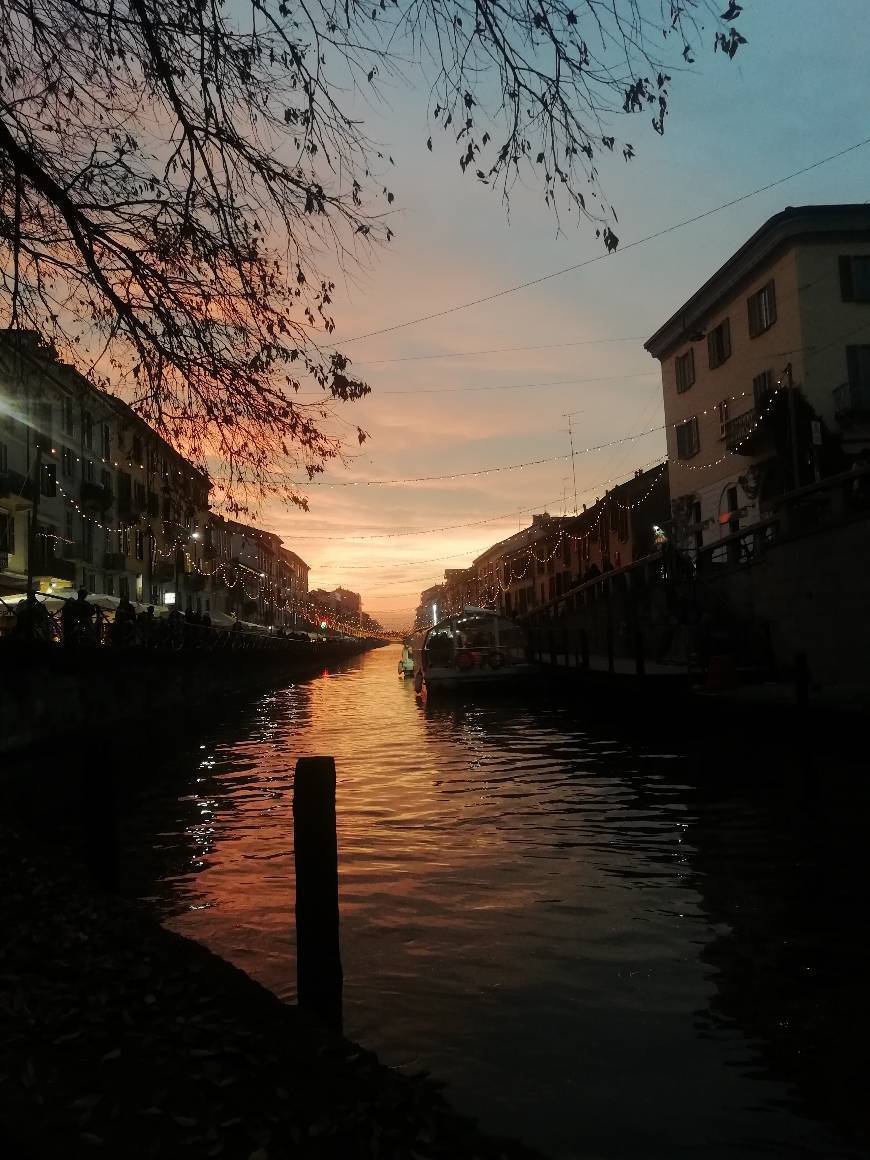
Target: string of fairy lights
<point>524,563</point>
<point>254,583</point>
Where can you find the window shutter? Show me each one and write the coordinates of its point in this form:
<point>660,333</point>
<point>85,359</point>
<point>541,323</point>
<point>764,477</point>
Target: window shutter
<point>847,289</point>
<point>770,290</point>
<point>711,349</point>
<point>853,363</point>
<point>726,338</point>
<point>754,316</point>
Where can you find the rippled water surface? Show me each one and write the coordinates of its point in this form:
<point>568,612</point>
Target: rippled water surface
<point>593,947</point>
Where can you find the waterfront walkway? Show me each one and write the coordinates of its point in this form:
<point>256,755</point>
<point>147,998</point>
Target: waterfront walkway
<point>119,1038</point>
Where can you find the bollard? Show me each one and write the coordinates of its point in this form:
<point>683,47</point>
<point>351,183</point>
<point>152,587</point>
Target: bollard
<point>319,976</point>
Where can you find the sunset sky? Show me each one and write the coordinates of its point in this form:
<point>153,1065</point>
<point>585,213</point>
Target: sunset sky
<point>796,93</point>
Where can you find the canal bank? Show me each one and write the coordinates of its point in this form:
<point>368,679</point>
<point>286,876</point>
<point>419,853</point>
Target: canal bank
<point>51,694</point>
<point>120,1038</point>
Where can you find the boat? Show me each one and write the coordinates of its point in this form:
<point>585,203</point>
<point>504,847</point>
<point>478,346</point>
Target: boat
<point>406,662</point>
<point>473,647</point>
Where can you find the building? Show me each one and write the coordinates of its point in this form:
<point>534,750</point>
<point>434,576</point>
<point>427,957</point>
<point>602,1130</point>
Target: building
<point>766,370</point>
<point>339,605</point>
<point>91,496</point>
<point>433,605</point>
<point>556,553</point>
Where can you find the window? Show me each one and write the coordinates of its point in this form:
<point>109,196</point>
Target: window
<point>685,368</point>
<point>687,438</point>
<point>67,463</point>
<point>124,587</point>
<point>106,442</point>
<point>858,362</point>
<point>109,584</point>
<point>87,428</point>
<point>722,414</point>
<point>855,278</point>
<point>42,419</point>
<point>70,532</point>
<point>140,544</point>
<point>762,385</point>
<point>48,480</point>
<point>88,472</point>
<point>68,416</point>
<point>139,496</point>
<point>137,450</point>
<point>719,344</point>
<point>762,310</point>
<point>106,479</point>
<point>7,533</point>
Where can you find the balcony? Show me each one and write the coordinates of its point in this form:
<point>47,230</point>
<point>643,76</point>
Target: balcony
<point>114,561</point>
<point>47,564</point>
<point>163,571</point>
<point>749,433</point>
<point>14,485</point>
<point>95,496</point>
<point>852,401</point>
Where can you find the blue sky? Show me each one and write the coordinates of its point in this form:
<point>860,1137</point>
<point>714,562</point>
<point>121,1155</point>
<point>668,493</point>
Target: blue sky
<point>795,93</point>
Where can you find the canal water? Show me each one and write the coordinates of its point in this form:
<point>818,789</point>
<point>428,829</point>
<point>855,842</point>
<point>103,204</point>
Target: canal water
<point>603,941</point>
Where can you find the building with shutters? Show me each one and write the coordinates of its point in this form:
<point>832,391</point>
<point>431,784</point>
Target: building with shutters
<point>91,496</point>
<point>766,370</point>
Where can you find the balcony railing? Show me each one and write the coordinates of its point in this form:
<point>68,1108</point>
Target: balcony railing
<point>193,582</point>
<point>163,570</point>
<point>13,484</point>
<point>47,564</point>
<point>95,495</point>
<point>747,433</point>
<point>852,399</point>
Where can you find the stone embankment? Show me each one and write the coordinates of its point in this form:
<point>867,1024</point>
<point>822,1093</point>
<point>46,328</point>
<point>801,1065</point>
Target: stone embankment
<point>121,1039</point>
<point>50,694</point>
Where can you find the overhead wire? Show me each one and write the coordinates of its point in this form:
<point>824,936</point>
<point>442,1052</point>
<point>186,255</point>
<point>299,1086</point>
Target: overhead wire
<point>528,283</point>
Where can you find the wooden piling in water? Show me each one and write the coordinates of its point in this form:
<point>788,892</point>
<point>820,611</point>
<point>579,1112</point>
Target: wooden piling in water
<point>319,977</point>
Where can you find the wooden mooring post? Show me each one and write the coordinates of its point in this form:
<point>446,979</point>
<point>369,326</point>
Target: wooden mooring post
<point>319,977</point>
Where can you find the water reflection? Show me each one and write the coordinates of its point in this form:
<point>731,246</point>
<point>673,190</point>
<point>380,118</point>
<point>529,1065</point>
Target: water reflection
<point>597,949</point>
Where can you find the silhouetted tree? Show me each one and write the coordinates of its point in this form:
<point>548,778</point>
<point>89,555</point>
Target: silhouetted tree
<point>178,177</point>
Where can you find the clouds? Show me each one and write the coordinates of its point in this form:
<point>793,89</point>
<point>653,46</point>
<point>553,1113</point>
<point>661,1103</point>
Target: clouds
<point>731,129</point>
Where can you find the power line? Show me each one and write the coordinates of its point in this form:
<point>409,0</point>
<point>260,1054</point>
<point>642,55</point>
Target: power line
<point>542,505</point>
<point>375,362</point>
<point>479,471</point>
<point>601,257</point>
<point>522,386</point>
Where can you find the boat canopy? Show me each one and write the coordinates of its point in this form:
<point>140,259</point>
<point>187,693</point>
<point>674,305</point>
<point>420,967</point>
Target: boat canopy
<point>474,630</point>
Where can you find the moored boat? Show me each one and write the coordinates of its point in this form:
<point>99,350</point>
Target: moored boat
<point>474,647</point>
<point>406,661</point>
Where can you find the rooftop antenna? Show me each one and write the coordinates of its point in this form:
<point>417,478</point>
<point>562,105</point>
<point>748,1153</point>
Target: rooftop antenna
<point>569,417</point>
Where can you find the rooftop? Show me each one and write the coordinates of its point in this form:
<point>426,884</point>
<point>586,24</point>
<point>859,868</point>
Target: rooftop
<point>778,233</point>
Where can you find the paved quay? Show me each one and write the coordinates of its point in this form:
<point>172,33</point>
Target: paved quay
<point>119,1038</point>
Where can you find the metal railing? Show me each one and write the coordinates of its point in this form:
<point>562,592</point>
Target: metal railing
<point>96,628</point>
<point>851,399</point>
